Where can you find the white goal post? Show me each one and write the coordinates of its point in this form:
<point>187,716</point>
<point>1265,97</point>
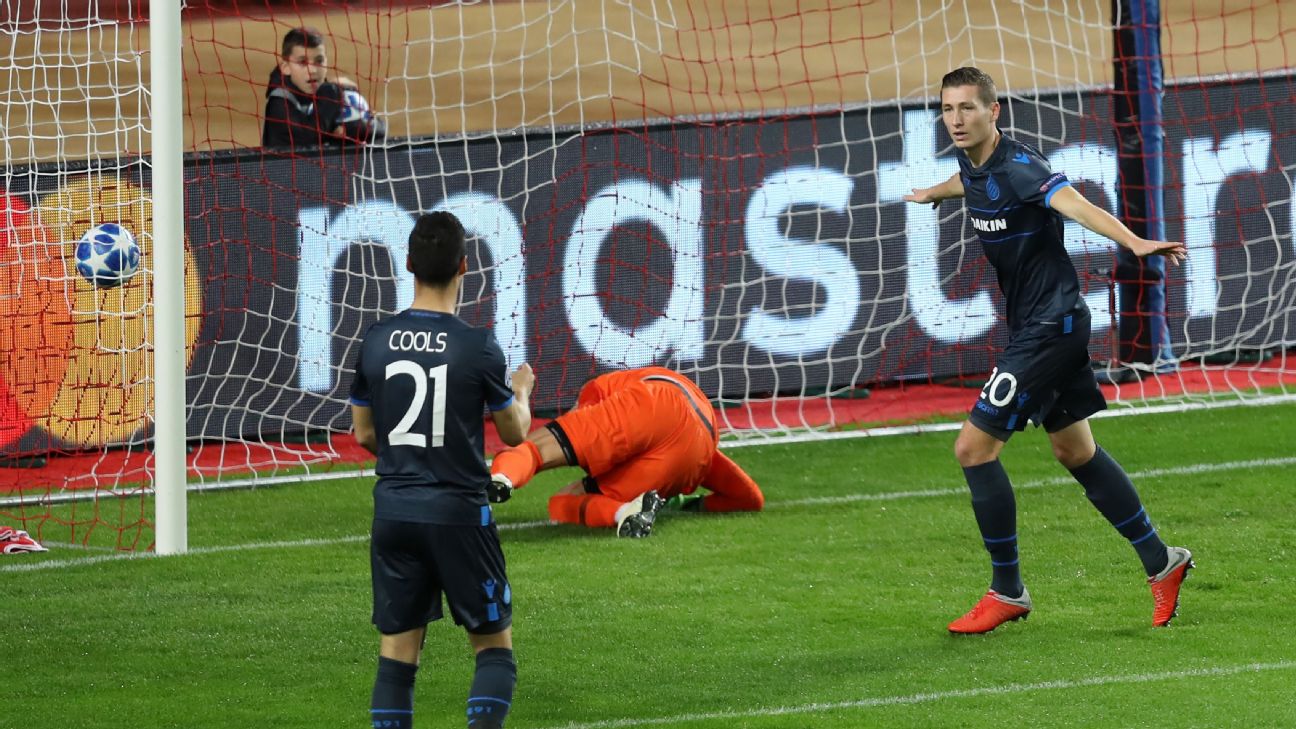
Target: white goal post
<point>170,479</point>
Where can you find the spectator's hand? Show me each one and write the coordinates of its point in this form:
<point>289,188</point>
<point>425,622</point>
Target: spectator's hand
<point>346,83</point>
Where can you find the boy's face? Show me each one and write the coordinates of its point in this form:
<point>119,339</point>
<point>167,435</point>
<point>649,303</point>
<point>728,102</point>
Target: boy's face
<point>305,67</point>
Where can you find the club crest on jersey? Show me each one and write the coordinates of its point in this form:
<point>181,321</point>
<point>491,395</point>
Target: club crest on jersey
<point>989,225</point>
<point>992,188</point>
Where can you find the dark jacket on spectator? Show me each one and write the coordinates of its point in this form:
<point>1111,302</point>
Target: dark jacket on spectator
<point>294,118</point>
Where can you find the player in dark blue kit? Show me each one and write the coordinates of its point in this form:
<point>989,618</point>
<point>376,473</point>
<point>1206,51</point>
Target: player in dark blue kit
<point>1013,201</point>
<point>423,381</point>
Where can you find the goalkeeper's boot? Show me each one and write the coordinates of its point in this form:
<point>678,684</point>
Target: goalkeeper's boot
<point>15,541</point>
<point>1165,585</point>
<point>992,611</point>
<point>635,518</point>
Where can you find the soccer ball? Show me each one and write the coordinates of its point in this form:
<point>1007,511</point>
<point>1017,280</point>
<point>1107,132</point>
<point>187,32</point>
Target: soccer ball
<point>354,107</point>
<point>107,255</point>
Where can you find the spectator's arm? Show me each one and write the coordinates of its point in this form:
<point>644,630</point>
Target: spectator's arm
<point>362,130</point>
<point>377,129</point>
<point>277,131</point>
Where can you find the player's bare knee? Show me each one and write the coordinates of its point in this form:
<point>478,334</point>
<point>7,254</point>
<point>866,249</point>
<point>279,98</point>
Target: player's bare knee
<point>971,453</point>
<point>1071,450</point>
<point>404,647</point>
<point>485,641</point>
<point>976,445</point>
<point>1072,455</point>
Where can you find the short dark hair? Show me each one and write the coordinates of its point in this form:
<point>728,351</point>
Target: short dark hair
<point>436,246</point>
<point>972,76</point>
<point>305,37</point>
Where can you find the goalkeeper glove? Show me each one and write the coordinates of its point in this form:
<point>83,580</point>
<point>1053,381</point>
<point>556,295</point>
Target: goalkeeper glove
<point>685,503</point>
<point>500,489</point>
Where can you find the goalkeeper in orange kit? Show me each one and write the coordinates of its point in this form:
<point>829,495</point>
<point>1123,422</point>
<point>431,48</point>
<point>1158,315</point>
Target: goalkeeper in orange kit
<point>643,436</point>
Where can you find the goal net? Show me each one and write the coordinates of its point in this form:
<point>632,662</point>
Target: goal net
<point>715,187</point>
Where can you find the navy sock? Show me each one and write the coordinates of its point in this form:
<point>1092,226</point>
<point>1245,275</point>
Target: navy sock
<point>492,688</point>
<point>392,706</point>
<point>1111,491</point>
<point>995,508</point>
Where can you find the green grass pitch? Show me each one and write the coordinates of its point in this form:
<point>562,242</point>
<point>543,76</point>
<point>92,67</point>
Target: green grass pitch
<point>828,609</point>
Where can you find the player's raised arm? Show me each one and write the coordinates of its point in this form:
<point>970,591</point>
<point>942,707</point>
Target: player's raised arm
<point>951,188</point>
<point>1072,204</point>
<point>514,421</point>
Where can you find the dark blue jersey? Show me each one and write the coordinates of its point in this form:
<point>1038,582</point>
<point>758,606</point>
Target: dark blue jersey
<point>1007,202</point>
<point>429,378</point>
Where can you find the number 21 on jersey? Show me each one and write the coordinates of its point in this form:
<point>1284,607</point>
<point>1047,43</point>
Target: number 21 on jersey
<point>401,435</point>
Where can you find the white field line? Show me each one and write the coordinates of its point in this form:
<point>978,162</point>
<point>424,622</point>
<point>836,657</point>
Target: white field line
<point>1116,409</point>
<point>1151,473</point>
<point>924,698</point>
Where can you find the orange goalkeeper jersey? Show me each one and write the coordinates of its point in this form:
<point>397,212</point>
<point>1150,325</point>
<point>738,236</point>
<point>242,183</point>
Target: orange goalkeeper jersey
<point>641,429</point>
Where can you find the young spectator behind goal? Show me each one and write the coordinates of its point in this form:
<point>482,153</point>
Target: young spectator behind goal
<point>305,109</point>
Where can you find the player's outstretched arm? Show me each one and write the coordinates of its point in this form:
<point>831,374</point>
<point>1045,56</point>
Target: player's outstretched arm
<point>951,188</point>
<point>514,421</point>
<point>1069,202</point>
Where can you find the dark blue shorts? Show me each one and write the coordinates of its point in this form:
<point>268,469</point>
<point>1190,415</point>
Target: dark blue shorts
<point>412,564</point>
<point>1042,376</point>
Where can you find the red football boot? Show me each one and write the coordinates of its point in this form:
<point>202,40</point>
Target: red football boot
<point>992,611</point>
<point>1165,586</point>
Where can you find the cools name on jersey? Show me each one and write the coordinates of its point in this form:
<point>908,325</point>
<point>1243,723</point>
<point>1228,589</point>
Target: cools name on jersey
<point>989,225</point>
<point>407,341</point>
